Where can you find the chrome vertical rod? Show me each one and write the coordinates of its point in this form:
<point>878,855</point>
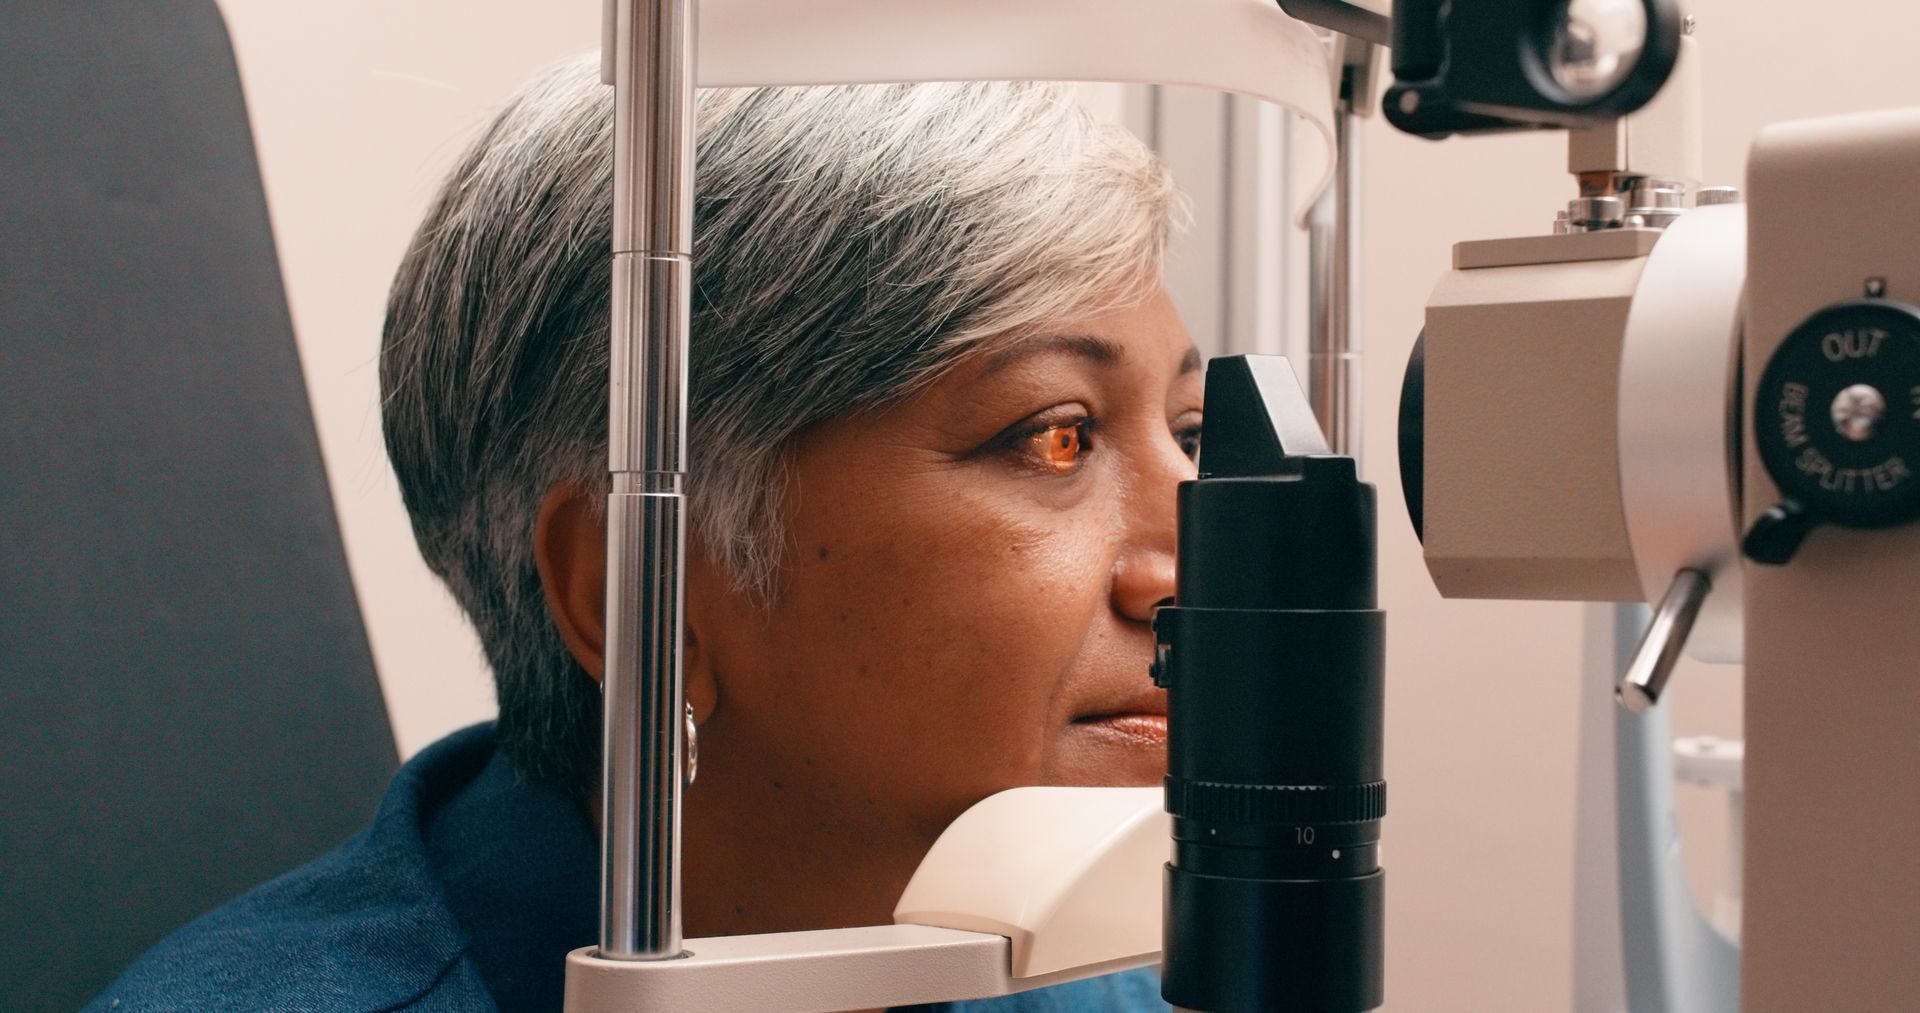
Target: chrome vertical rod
<point>653,68</point>
<point>1334,375</point>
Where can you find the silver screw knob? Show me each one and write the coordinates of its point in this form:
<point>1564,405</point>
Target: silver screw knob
<point>1659,197</point>
<point>1712,195</point>
<point>1655,218</point>
<point>1857,412</point>
<point>1593,213</point>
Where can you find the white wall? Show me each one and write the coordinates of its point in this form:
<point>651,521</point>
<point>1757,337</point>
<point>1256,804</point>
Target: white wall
<point>360,106</point>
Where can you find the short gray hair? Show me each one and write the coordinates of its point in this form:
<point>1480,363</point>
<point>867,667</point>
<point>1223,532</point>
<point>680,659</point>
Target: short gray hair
<point>851,245</point>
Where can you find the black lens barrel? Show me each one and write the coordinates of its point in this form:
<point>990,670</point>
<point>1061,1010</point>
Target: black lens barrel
<point>1273,656</point>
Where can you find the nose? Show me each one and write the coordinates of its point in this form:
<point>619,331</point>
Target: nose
<point>1143,572</point>
<point>1142,582</point>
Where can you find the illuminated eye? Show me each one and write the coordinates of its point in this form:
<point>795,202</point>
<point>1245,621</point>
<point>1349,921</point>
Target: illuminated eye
<point>1058,447</point>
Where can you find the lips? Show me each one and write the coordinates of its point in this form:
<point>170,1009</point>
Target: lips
<point>1145,700</point>
<point>1137,716</point>
<point>1131,728</point>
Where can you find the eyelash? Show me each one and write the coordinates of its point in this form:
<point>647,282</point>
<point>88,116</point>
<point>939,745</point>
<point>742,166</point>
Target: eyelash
<point>1024,441</point>
<point>1189,440</point>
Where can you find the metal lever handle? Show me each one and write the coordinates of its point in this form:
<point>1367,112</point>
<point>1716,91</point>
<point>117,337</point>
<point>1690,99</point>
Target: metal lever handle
<point>1660,647</point>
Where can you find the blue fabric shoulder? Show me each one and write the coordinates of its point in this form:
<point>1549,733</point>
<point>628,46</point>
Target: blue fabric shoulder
<point>362,928</point>
<point>368,927</point>
<point>1127,992</point>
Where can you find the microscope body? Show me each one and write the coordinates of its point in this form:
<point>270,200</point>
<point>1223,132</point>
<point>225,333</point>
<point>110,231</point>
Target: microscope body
<point>1533,367</point>
<point>1733,395</point>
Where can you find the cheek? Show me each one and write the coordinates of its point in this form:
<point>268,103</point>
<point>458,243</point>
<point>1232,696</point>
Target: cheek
<point>933,634</point>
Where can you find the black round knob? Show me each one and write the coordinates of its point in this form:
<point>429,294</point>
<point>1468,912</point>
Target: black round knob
<point>1837,421</point>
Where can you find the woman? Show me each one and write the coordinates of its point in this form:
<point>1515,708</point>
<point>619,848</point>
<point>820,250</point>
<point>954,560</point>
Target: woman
<point>940,404</point>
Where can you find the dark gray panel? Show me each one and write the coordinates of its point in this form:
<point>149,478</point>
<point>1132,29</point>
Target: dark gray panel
<point>187,701</point>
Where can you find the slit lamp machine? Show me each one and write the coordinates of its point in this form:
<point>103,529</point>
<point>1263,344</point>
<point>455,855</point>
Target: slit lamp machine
<point>1698,397</point>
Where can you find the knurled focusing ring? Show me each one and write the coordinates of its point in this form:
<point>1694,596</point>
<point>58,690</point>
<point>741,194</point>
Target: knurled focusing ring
<point>1276,804</point>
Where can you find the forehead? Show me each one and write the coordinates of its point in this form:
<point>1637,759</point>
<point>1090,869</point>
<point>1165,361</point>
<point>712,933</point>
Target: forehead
<point>1145,334</point>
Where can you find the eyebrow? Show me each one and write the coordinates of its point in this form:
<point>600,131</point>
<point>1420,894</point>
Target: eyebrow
<point>1097,350</point>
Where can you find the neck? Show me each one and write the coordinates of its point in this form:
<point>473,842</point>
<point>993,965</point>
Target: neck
<point>765,856</point>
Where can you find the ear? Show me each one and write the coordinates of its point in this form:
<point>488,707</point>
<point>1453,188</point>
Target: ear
<point>570,553</point>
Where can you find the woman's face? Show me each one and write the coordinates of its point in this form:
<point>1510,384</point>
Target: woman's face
<point>965,609</point>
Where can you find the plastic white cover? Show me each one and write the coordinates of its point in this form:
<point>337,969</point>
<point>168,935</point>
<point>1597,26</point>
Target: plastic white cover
<point>1676,377</point>
<point>1249,47</point>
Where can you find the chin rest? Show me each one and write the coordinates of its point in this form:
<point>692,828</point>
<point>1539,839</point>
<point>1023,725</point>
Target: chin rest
<point>1029,888</point>
<point>1072,876</point>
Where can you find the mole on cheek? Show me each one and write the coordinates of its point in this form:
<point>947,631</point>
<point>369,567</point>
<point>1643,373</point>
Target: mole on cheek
<point>823,552</point>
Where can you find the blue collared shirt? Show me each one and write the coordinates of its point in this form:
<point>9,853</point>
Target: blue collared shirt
<point>466,894</point>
